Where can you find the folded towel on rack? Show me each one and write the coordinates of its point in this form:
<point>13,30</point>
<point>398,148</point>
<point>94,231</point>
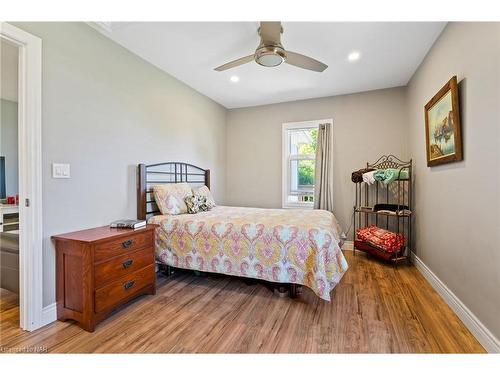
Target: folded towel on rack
<point>394,174</point>
<point>368,177</point>
<point>394,209</point>
<point>399,213</point>
<point>390,175</point>
<point>357,176</point>
<point>379,175</point>
<point>389,207</point>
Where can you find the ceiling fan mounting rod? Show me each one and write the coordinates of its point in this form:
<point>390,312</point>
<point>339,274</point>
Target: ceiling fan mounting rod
<point>258,30</point>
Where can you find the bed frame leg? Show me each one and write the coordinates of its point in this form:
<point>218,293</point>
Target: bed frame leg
<point>281,290</point>
<point>165,270</point>
<point>293,290</point>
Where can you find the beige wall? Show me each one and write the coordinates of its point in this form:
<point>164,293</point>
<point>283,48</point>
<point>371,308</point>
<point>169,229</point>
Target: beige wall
<point>105,110</point>
<point>457,205</point>
<point>365,126</point>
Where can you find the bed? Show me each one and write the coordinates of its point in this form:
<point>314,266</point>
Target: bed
<point>288,247</point>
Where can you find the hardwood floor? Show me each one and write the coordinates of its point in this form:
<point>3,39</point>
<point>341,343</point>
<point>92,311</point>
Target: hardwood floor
<point>375,309</point>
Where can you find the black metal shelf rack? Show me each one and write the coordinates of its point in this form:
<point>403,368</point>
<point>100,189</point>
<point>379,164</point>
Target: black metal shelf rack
<point>398,193</point>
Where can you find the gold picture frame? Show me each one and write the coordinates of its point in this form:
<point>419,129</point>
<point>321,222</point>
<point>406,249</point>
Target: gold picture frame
<point>443,136</point>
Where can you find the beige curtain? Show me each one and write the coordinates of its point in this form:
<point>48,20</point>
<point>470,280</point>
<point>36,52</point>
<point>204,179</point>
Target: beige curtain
<point>323,187</point>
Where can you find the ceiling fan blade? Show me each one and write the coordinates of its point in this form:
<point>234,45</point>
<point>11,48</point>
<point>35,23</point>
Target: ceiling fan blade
<point>270,32</point>
<point>304,62</point>
<point>235,63</point>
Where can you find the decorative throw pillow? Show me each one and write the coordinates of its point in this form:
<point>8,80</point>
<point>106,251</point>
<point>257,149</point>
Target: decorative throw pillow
<point>170,198</point>
<point>197,203</point>
<point>204,191</point>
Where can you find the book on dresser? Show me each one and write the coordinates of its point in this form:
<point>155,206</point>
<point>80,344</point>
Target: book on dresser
<point>128,224</point>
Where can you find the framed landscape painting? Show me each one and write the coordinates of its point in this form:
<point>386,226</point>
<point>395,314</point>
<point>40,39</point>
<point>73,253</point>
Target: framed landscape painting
<point>442,126</point>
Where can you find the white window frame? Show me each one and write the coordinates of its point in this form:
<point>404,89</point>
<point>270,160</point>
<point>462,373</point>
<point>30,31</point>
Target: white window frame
<point>285,146</point>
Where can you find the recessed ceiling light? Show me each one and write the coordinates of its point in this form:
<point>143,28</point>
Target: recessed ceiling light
<point>354,56</point>
<point>234,79</point>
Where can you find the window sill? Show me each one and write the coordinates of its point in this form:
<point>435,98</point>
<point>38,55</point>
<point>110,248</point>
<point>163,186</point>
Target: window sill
<point>303,206</point>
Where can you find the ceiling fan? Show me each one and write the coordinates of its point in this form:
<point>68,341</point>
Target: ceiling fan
<point>270,52</point>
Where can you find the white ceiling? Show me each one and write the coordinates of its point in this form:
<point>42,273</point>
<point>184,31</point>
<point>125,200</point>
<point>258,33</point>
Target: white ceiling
<point>391,52</point>
<point>8,71</point>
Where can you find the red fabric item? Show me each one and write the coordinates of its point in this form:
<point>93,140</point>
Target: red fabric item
<point>383,239</point>
<point>363,246</point>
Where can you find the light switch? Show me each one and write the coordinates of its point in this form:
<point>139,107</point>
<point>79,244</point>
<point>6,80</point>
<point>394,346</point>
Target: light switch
<point>60,170</point>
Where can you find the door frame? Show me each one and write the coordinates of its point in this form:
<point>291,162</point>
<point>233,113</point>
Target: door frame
<point>30,174</point>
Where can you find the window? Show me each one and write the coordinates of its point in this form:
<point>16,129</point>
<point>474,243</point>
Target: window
<point>299,155</point>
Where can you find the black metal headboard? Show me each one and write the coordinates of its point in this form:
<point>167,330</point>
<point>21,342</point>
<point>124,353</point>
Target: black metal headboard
<point>164,173</point>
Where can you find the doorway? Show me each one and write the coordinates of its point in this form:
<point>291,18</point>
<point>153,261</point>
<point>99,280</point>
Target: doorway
<point>9,178</point>
<point>20,176</point>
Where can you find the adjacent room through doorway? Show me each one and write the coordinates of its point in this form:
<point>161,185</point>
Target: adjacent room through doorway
<point>9,177</point>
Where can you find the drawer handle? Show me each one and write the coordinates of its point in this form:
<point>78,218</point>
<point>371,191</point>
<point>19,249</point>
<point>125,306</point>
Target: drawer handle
<point>127,244</point>
<point>128,284</point>
<point>127,263</point>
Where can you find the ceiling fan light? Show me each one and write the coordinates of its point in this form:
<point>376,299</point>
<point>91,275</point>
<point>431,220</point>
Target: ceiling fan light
<point>270,56</point>
<point>270,60</point>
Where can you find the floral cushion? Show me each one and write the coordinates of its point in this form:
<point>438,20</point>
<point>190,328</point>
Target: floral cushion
<point>205,192</point>
<point>383,239</point>
<point>198,203</point>
<point>170,198</point>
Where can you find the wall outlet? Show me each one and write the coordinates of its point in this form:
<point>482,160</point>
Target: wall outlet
<point>60,170</point>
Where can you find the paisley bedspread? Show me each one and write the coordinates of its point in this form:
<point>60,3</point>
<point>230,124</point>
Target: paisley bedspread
<point>284,246</point>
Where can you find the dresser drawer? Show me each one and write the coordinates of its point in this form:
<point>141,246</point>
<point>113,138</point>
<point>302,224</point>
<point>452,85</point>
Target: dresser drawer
<point>122,265</point>
<point>123,245</point>
<point>112,294</point>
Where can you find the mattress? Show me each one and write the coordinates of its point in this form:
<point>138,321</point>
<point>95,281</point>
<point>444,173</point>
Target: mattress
<point>277,245</point>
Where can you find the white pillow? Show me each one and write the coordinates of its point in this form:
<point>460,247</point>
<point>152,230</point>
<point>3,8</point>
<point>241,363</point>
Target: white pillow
<point>204,191</point>
<point>170,198</point>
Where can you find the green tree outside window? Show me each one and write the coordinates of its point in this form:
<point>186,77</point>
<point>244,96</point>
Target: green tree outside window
<point>306,168</point>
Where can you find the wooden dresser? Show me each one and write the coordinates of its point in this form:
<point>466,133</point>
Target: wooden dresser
<point>99,269</point>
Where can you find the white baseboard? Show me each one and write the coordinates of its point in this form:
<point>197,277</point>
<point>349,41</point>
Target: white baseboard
<point>49,314</point>
<point>480,332</point>
<point>348,245</point>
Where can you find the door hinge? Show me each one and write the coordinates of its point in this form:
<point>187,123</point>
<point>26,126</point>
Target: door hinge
<point>27,202</point>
